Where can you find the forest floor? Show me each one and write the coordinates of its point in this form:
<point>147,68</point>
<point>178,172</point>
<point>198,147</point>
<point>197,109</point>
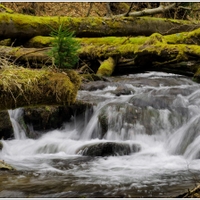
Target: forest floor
<point>71,9</point>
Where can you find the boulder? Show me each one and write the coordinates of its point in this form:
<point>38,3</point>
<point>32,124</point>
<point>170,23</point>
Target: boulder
<point>108,149</point>
<point>46,118</point>
<point>6,129</point>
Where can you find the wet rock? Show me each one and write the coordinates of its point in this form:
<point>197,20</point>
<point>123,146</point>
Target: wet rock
<point>6,129</point>
<point>51,117</point>
<point>126,116</point>
<point>157,102</point>
<point>45,118</point>
<point>5,166</point>
<point>94,85</point>
<point>108,149</point>
<point>122,90</point>
<point>1,145</point>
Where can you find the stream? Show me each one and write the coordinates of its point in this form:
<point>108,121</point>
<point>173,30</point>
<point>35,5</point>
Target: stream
<point>157,112</point>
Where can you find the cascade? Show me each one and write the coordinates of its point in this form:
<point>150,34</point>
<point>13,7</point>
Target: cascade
<point>151,131</point>
<point>15,116</point>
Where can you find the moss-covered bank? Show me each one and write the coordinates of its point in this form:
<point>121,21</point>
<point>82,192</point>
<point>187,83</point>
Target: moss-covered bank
<point>22,87</point>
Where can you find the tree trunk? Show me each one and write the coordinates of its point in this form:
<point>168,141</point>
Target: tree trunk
<point>25,26</point>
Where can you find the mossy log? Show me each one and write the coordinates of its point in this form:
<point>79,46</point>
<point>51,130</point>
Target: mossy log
<point>14,25</point>
<point>20,87</point>
<point>191,37</point>
<point>107,67</point>
<point>144,53</point>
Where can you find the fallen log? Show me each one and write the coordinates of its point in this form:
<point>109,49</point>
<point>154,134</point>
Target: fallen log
<point>141,52</point>
<point>25,26</point>
<point>20,87</point>
<point>191,37</point>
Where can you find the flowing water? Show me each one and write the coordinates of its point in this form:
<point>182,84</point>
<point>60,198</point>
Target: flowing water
<point>160,112</point>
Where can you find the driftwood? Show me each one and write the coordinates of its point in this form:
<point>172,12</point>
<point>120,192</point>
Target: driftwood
<point>146,12</point>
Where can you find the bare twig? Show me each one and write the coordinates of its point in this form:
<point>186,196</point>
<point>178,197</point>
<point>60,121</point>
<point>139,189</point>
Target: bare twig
<point>160,9</point>
<point>129,10</point>
<point>109,12</point>
<point>91,4</point>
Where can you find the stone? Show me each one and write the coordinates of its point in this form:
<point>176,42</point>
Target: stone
<point>6,129</point>
<point>108,149</point>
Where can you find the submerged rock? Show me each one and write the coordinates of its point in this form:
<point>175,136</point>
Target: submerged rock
<point>108,149</point>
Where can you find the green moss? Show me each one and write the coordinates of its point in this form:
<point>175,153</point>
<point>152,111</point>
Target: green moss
<point>107,67</point>
<point>39,42</point>
<point>191,37</point>
<point>178,38</point>
<point>4,9</point>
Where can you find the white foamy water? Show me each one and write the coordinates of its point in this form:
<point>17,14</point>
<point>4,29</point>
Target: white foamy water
<point>169,137</point>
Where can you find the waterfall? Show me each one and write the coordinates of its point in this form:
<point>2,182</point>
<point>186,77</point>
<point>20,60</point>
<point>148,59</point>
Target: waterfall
<point>159,114</point>
<point>15,117</point>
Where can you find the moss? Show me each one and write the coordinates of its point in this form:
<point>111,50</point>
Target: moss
<point>107,67</point>
<point>184,37</point>
<point>178,38</point>
<point>45,41</point>
<point>39,42</point>
<point>5,9</point>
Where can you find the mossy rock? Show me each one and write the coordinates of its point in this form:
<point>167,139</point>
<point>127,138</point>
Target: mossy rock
<point>51,117</point>
<point>27,87</point>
